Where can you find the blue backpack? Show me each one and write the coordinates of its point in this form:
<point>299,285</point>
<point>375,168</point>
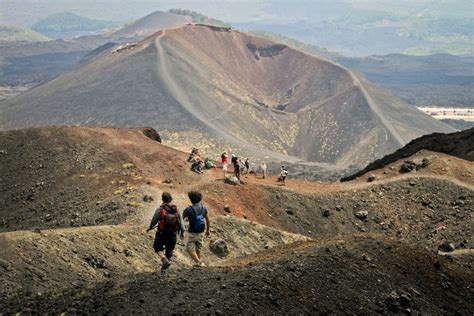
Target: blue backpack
<point>198,223</point>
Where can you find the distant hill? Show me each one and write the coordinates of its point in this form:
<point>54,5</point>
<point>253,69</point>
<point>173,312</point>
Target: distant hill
<point>151,23</point>
<point>443,79</point>
<point>33,63</point>
<point>199,18</point>
<point>69,22</point>
<point>15,33</point>
<point>363,28</point>
<point>215,88</point>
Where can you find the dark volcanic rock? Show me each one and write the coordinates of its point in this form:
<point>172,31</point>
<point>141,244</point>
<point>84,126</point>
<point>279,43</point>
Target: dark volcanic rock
<point>447,247</point>
<point>219,248</point>
<point>407,166</point>
<point>147,198</point>
<point>327,213</point>
<point>152,134</point>
<point>371,178</point>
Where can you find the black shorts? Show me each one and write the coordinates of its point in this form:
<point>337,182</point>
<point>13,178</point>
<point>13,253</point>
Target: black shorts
<point>165,242</point>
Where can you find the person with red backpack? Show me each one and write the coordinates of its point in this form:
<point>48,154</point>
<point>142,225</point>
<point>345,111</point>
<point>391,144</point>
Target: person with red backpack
<point>169,221</point>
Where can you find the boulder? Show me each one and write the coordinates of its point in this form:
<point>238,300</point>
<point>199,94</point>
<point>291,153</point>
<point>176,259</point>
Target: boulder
<point>147,198</point>
<point>362,215</point>
<point>232,180</point>
<point>152,134</point>
<point>425,163</point>
<point>447,247</point>
<point>371,178</point>
<point>219,248</point>
<point>407,166</point>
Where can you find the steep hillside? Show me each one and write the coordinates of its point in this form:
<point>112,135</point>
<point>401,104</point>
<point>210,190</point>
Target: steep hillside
<point>69,22</point>
<point>152,23</point>
<point>219,89</point>
<point>459,144</point>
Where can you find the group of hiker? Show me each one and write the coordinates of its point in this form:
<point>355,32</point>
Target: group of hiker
<point>169,223</point>
<point>244,166</point>
<point>197,163</point>
<point>240,166</point>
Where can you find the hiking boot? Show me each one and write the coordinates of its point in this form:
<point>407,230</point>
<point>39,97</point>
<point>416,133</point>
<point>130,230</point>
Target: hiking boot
<point>165,264</point>
<point>199,264</point>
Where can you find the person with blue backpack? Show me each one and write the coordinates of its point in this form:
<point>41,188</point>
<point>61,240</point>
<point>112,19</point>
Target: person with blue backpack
<point>169,221</point>
<point>198,218</point>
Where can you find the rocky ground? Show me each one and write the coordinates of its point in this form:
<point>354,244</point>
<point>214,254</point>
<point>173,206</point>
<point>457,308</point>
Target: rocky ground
<point>71,177</point>
<point>355,274</point>
<point>388,242</point>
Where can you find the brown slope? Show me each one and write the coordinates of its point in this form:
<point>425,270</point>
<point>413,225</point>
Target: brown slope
<point>151,23</point>
<point>459,144</point>
<point>224,89</point>
<point>63,177</point>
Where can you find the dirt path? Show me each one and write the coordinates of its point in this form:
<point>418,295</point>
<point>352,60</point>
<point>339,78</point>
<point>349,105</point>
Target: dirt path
<point>375,108</point>
<point>312,187</point>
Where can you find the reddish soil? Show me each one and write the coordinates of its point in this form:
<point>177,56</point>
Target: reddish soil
<point>374,248</point>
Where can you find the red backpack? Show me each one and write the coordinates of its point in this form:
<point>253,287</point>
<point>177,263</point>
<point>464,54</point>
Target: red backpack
<point>169,219</point>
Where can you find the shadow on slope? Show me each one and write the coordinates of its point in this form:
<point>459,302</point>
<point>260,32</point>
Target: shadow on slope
<point>360,274</point>
<point>459,144</point>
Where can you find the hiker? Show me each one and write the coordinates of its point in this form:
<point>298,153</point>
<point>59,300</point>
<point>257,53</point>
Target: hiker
<point>208,164</point>
<point>197,166</point>
<point>197,215</point>
<point>225,162</point>
<point>169,222</point>
<point>283,174</point>
<point>236,163</point>
<point>191,155</point>
<point>263,167</point>
<point>194,155</point>
<point>247,165</point>
<point>253,170</point>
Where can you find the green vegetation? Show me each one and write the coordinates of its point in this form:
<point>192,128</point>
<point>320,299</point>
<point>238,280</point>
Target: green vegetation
<point>443,26</point>
<point>442,35</point>
<point>68,22</point>
<point>14,33</point>
<point>199,18</point>
<point>294,43</point>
